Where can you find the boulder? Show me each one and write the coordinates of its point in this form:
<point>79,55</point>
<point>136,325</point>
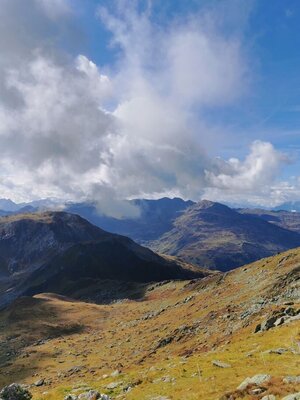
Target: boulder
<point>90,395</point>
<point>15,392</point>
<point>220,364</point>
<point>268,323</point>
<point>280,350</point>
<point>291,379</point>
<point>279,321</point>
<point>115,373</point>
<point>40,382</point>
<point>114,385</point>
<point>255,380</point>
<point>294,396</point>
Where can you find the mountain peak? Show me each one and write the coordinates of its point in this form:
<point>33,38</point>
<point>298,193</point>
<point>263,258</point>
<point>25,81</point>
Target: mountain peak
<point>209,205</point>
<point>205,204</point>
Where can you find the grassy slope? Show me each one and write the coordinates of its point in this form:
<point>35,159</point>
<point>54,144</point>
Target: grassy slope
<point>203,317</point>
<point>217,237</point>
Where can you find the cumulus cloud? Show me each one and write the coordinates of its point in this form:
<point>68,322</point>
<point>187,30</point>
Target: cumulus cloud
<point>252,180</point>
<point>258,169</point>
<point>69,130</point>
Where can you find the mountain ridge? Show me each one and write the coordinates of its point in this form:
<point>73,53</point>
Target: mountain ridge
<point>56,248</point>
<point>215,236</point>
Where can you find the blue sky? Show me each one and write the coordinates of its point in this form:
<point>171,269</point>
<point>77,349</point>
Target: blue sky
<point>142,98</point>
<point>271,108</point>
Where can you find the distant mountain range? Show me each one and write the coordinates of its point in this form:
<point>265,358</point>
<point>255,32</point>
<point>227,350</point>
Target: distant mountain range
<point>7,205</point>
<point>218,237</point>
<point>52,251</point>
<point>156,218</point>
<point>285,219</point>
<point>208,234</point>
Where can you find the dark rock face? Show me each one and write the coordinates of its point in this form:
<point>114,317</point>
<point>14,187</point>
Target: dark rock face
<point>27,241</point>
<point>278,318</point>
<point>48,251</point>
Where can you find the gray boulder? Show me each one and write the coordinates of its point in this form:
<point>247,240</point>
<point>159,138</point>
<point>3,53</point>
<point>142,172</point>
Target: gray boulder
<point>295,396</point>
<point>255,380</point>
<point>291,379</point>
<point>15,392</point>
<point>220,364</point>
<point>90,395</point>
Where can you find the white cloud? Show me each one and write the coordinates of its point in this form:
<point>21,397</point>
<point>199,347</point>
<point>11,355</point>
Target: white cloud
<point>58,138</point>
<point>252,180</point>
<point>55,8</point>
<point>259,168</point>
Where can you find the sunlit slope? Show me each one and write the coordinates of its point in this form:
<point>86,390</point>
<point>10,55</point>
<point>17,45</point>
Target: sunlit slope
<point>167,342</point>
<point>218,237</point>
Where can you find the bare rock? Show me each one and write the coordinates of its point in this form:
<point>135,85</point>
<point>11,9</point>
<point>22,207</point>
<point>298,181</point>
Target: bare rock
<point>294,396</point>
<point>291,379</point>
<point>256,380</point>
<point>15,392</point>
<point>220,364</point>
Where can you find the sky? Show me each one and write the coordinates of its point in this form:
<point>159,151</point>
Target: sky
<point>112,100</point>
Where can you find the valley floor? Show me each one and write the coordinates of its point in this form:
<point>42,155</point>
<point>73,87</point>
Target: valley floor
<point>181,340</point>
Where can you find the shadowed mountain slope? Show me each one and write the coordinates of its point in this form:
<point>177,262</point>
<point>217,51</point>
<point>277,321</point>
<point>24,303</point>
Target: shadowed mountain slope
<point>49,250</point>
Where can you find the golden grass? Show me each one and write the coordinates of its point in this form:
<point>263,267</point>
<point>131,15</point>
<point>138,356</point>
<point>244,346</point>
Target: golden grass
<point>202,317</point>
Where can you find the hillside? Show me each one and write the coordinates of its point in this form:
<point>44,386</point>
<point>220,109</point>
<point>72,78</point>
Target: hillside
<point>217,237</point>
<point>197,339</point>
<point>52,249</point>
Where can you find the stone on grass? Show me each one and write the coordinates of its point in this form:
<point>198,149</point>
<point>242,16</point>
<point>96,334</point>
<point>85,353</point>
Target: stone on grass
<point>256,380</point>
<point>294,396</point>
<point>15,392</point>
<point>90,395</point>
<point>291,379</point>
<point>220,364</point>
<point>115,373</point>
